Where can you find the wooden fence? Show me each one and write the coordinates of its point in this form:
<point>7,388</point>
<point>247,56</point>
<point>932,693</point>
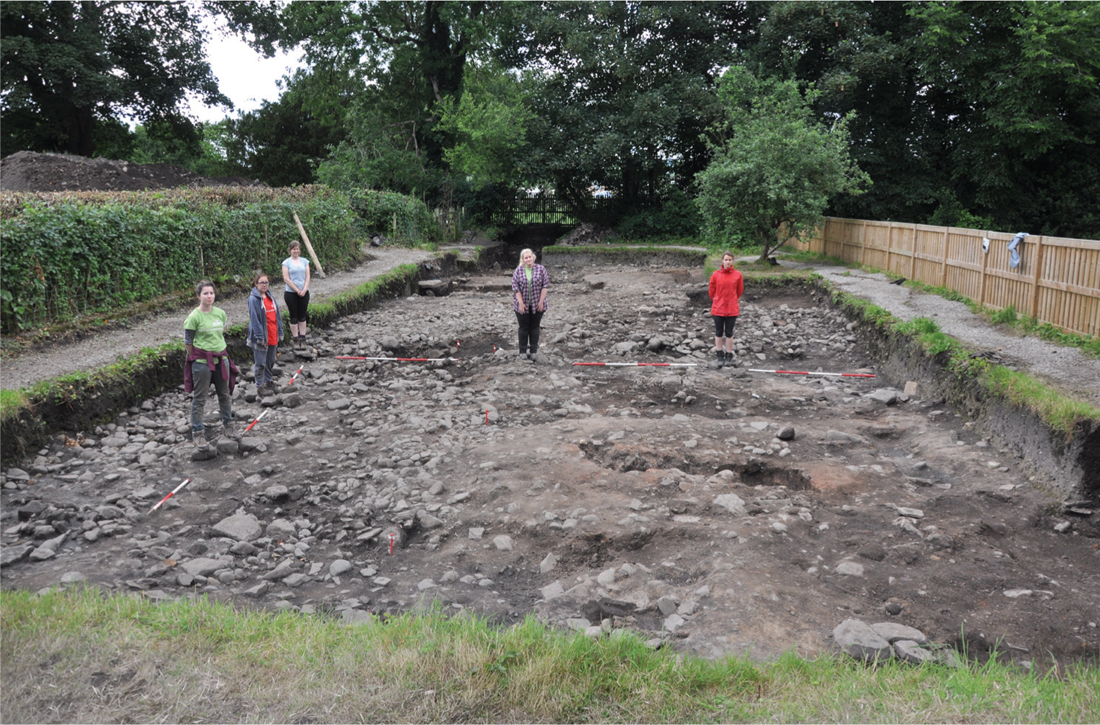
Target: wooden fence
<point>1057,280</point>
<point>548,209</point>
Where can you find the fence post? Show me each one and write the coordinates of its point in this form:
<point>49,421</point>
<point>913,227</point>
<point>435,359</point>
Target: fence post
<point>985,261</point>
<point>1035,281</point>
<point>862,242</point>
<point>913,254</point>
<point>890,247</point>
<point>946,249</point>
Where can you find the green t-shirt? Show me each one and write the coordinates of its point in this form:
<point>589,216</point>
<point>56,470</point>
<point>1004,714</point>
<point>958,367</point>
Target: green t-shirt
<point>208,327</point>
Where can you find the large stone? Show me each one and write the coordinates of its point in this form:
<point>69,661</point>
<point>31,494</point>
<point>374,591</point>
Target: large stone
<point>731,502</point>
<point>859,640</point>
<point>912,652</point>
<point>242,527</point>
<point>284,568</point>
<point>849,568</point>
<point>552,591</point>
<point>893,632</point>
<point>281,529</point>
<point>202,566</point>
<point>13,554</point>
<point>339,567</point>
<point>503,543</point>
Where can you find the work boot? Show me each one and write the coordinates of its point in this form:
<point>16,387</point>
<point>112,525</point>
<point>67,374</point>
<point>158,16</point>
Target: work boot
<point>721,358</point>
<point>229,430</point>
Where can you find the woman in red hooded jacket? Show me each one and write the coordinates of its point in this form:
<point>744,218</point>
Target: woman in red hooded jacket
<point>726,287</point>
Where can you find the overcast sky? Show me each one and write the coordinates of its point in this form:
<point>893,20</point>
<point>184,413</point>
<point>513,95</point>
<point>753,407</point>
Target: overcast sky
<point>243,75</point>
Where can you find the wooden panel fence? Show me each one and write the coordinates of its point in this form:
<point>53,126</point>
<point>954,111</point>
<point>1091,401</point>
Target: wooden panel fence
<point>1057,280</point>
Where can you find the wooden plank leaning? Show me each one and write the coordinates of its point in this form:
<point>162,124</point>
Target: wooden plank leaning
<point>309,247</point>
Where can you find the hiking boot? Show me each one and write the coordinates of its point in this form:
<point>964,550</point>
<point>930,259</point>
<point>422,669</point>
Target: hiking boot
<point>729,358</point>
<point>229,430</point>
<point>721,358</point>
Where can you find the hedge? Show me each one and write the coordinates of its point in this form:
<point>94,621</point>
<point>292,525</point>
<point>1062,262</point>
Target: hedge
<point>380,212</point>
<point>68,254</point>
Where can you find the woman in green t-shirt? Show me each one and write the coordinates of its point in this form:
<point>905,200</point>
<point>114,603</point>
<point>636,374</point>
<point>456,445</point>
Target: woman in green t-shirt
<point>207,361</point>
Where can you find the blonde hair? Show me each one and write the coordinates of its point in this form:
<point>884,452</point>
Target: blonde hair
<point>522,254</point>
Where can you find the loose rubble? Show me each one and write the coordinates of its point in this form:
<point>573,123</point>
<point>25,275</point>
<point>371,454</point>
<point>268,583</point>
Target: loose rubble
<point>719,510</point>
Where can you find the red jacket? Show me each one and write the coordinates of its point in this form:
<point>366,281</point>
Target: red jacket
<point>726,287</point>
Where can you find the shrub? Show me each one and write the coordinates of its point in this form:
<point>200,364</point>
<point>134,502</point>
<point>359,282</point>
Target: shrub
<point>380,211</point>
<point>67,254</point>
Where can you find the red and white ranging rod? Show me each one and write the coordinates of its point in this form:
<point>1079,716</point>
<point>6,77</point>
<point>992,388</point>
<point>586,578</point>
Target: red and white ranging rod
<point>803,372</point>
<point>295,376</point>
<point>398,359</point>
<point>261,415</point>
<point>174,492</point>
<point>635,365</point>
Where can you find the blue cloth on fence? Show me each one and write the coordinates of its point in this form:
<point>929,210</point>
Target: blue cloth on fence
<point>1013,251</point>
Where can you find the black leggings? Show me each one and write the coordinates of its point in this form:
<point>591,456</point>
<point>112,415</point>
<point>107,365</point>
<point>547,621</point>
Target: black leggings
<point>298,307</point>
<point>723,326</point>
<point>529,330</point>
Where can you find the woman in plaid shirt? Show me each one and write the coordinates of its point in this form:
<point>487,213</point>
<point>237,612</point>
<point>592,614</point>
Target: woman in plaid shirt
<point>529,285</point>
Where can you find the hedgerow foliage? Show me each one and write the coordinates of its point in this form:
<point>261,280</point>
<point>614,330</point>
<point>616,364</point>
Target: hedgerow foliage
<point>378,210</point>
<point>72,253</point>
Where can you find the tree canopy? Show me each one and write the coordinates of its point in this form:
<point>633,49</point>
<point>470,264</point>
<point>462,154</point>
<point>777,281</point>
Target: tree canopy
<point>981,113</point>
<point>70,68</point>
<point>776,165</point>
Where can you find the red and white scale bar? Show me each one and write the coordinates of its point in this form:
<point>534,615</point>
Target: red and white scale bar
<point>398,359</point>
<point>803,372</point>
<point>635,365</point>
<point>174,492</point>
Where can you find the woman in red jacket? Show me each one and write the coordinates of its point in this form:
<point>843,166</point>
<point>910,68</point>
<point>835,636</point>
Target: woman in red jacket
<point>726,287</point>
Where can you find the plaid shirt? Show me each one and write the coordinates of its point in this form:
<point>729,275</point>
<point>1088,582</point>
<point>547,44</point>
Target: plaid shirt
<point>530,290</point>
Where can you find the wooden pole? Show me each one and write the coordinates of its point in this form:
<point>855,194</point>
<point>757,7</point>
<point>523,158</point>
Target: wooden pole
<point>913,254</point>
<point>305,238</point>
<point>1035,281</point>
<point>985,262</point>
<point>946,247</point>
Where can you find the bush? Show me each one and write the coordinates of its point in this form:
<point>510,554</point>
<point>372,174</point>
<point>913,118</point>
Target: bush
<point>678,216</point>
<point>67,254</point>
<point>380,211</point>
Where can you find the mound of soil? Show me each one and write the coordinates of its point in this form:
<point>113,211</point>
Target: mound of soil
<point>30,171</point>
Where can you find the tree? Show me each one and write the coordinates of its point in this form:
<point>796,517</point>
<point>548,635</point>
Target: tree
<point>1019,92</point>
<point>861,58</point>
<point>283,141</point>
<point>411,58</point>
<point>776,165</point>
<point>625,91</point>
<point>72,68</point>
<point>488,124</point>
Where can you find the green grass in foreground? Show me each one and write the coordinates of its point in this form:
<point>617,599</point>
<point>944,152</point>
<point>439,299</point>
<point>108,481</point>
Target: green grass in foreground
<point>81,657</point>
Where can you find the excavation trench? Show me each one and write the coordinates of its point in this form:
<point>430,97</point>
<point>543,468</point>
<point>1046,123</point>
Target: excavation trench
<point>514,488</point>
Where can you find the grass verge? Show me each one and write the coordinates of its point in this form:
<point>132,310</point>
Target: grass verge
<point>1058,411</point>
<point>122,658</point>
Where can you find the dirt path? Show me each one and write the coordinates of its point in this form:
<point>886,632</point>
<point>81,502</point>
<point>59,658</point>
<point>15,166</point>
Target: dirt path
<point>99,350</point>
